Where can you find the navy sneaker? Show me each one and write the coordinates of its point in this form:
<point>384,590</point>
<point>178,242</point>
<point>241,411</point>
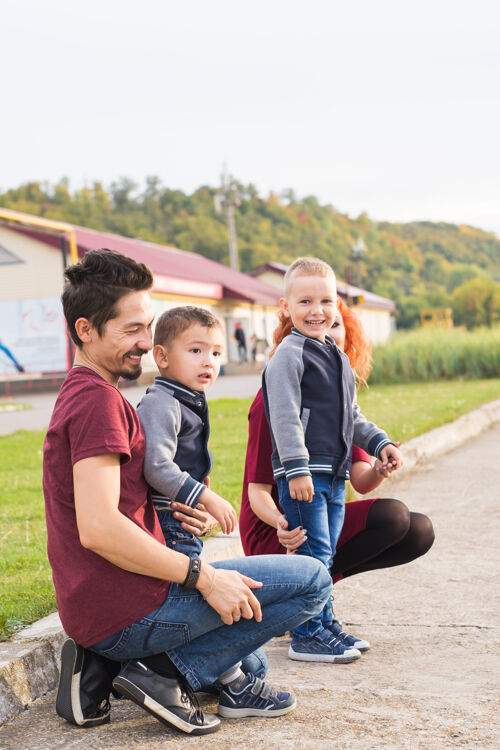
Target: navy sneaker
<point>256,698</point>
<point>348,640</point>
<point>322,646</point>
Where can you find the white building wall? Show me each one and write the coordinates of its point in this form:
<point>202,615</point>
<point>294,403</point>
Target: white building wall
<point>272,278</point>
<point>39,275</point>
<point>377,323</point>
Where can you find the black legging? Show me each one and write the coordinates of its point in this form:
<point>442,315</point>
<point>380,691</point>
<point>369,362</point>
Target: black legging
<point>393,536</point>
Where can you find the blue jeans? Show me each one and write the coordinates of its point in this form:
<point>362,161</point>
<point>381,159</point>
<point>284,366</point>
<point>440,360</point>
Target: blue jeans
<point>323,519</point>
<point>191,545</point>
<point>193,634</point>
<point>178,538</point>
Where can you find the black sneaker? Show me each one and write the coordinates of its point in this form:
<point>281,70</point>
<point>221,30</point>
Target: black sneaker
<point>256,698</point>
<point>171,701</point>
<point>85,683</point>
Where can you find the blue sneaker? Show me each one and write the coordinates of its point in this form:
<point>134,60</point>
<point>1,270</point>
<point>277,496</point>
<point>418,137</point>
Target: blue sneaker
<point>256,698</point>
<point>322,646</point>
<point>346,639</point>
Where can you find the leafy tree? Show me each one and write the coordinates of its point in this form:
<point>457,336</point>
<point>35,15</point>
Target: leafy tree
<point>476,303</point>
<point>417,264</point>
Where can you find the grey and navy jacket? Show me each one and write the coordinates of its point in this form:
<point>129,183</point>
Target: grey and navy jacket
<point>310,401</point>
<point>177,460</point>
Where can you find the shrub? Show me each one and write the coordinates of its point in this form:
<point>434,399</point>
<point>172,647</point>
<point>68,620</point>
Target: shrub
<point>432,353</point>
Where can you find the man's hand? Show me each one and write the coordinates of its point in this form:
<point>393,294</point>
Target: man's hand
<point>230,594</point>
<point>220,509</point>
<point>291,540</point>
<point>391,458</point>
<point>195,520</point>
<point>301,488</point>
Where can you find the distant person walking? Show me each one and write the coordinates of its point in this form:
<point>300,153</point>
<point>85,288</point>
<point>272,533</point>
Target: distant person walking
<point>241,340</point>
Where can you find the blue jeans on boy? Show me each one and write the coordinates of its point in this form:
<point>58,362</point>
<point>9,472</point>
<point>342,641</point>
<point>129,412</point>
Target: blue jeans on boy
<point>323,519</point>
<point>191,545</point>
<point>178,538</point>
<point>193,635</point>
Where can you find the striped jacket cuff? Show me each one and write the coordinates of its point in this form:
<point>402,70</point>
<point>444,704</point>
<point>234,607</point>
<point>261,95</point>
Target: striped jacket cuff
<point>190,492</point>
<point>377,443</point>
<point>297,467</point>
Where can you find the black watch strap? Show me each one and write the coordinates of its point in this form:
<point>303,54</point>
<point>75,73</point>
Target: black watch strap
<point>193,573</point>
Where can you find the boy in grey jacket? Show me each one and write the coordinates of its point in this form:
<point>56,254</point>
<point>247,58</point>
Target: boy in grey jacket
<point>188,345</point>
<point>310,399</point>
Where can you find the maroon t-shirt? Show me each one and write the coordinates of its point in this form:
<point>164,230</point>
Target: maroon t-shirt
<point>257,537</point>
<point>95,597</point>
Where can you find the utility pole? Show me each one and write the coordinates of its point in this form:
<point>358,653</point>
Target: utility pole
<point>229,197</point>
<point>357,251</point>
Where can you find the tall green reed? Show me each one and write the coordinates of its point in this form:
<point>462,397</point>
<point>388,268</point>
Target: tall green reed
<point>432,353</point>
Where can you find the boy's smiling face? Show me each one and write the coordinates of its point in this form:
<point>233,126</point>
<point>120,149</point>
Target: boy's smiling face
<point>193,358</point>
<point>312,304</point>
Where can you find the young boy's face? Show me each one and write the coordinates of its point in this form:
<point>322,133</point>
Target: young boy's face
<point>312,305</point>
<point>193,358</point>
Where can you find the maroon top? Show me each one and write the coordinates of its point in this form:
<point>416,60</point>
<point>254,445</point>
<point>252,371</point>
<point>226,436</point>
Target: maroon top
<point>257,537</point>
<point>95,597</point>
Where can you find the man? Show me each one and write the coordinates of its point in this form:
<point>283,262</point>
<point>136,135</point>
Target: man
<point>176,623</point>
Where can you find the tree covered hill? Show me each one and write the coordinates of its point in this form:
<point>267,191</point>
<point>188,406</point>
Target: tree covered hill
<point>417,264</point>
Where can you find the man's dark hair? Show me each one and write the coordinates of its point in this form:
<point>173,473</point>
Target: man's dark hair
<point>96,284</point>
<point>173,322</point>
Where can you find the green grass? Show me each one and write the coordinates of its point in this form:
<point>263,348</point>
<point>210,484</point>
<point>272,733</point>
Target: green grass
<point>26,591</point>
<point>13,406</point>
<point>410,409</point>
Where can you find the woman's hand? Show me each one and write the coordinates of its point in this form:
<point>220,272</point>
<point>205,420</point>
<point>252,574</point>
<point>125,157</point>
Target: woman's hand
<point>195,520</point>
<point>291,540</point>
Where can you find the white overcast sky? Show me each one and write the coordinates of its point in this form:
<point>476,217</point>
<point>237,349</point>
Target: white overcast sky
<point>388,107</point>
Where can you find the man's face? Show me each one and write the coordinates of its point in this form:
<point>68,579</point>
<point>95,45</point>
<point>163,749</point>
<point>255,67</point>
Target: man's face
<point>118,352</point>
<point>193,358</point>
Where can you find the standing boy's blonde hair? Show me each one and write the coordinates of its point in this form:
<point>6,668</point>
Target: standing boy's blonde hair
<point>306,267</point>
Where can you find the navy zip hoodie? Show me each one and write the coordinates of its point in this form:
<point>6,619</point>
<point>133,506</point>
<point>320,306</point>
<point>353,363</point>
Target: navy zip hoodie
<point>310,400</point>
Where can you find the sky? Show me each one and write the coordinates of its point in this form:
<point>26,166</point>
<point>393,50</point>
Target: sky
<point>388,107</point>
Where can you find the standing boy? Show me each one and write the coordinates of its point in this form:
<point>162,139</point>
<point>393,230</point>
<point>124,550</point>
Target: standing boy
<point>310,398</point>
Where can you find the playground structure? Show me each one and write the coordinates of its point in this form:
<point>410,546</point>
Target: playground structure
<point>437,317</point>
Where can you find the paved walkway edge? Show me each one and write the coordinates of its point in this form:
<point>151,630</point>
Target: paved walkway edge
<point>29,662</point>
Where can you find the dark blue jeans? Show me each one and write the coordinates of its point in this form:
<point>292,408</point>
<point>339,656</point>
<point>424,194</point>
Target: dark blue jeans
<point>191,545</point>
<point>193,635</point>
<point>178,538</point>
<point>323,519</point>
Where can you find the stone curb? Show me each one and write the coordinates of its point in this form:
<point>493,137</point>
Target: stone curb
<point>29,662</point>
<point>448,437</point>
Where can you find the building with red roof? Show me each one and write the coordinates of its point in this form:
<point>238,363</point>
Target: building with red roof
<point>33,253</point>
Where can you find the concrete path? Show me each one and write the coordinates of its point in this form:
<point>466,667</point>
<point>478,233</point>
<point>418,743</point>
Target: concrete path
<point>431,679</point>
<point>38,417</point>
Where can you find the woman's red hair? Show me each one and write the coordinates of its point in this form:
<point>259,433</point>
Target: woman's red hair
<point>357,346</point>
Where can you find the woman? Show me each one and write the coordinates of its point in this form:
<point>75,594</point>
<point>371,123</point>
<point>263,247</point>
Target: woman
<point>377,533</point>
